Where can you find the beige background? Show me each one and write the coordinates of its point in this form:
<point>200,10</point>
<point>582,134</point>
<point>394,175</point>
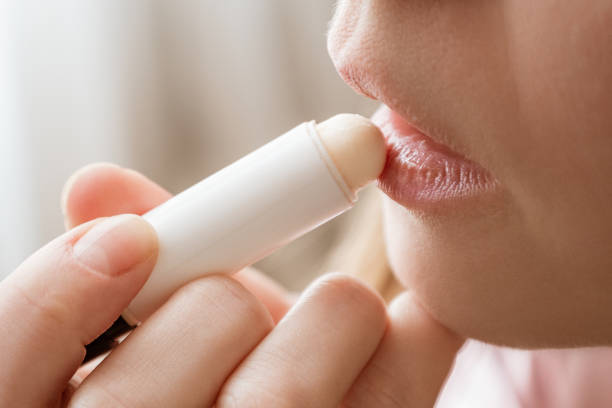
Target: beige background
<point>174,89</point>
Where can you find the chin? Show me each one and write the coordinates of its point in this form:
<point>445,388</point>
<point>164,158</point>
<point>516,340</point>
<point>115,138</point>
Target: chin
<point>477,274</point>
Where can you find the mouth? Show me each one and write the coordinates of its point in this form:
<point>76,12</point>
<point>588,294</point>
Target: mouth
<point>421,173</point>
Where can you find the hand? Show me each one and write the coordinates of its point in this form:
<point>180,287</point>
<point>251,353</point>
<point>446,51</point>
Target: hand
<point>213,341</point>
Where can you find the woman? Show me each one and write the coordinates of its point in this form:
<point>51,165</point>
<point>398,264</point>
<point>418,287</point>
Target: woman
<point>499,224</point>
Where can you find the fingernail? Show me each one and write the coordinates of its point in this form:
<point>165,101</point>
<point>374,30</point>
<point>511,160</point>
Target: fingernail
<point>116,244</point>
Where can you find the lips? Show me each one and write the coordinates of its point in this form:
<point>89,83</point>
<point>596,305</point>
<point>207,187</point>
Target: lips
<point>420,173</point>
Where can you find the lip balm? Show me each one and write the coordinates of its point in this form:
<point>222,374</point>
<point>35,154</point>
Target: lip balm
<point>261,202</point>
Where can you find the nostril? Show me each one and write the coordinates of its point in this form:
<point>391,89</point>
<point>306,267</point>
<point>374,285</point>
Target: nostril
<point>356,80</point>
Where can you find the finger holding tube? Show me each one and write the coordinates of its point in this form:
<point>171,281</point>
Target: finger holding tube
<point>62,297</point>
<point>316,352</point>
<point>186,349</point>
<point>263,201</point>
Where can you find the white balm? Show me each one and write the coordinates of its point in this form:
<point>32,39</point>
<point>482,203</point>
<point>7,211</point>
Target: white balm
<point>252,207</point>
<point>259,203</point>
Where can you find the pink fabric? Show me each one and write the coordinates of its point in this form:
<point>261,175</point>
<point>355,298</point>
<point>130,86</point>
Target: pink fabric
<point>488,376</point>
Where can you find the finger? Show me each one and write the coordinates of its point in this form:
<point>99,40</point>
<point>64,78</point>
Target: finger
<point>411,363</point>
<point>187,349</point>
<point>315,353</point>
<point>64,296</point>
<point>104,189</point>
<point>276,298</point>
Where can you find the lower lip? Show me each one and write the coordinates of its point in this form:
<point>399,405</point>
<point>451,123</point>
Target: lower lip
<point>421,172</point>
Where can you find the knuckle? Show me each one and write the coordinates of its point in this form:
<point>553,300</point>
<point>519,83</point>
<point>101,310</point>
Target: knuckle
<point>52,291</point>
<point>230,399</point>
<point>248,388</point>
<point>47,308</point>
<point>98,397</point>
<point>348,290</point>
<point>374,400</point>
<point>240,397</point>
<point>373,389</point>
<point>45,304</point>
<point>227,297</point>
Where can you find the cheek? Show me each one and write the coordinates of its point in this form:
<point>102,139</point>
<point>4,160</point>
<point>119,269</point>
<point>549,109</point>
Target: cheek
<point>559,56</point>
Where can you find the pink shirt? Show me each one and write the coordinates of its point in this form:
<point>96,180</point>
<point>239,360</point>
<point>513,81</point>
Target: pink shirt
<point>488,376</point>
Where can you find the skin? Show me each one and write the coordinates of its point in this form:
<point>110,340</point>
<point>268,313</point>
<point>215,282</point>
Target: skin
<point>524,89</point>
<point>521,88</point>
<point>240,341</point>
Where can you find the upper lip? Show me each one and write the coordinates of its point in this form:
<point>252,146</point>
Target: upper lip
<point>365,84</point>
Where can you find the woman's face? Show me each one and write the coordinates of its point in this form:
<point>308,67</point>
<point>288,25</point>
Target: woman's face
<point>514,245</point>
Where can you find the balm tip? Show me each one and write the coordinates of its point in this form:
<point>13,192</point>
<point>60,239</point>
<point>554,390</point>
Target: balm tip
<point>356,146</point>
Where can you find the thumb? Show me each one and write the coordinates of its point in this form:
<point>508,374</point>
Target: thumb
<point>63,297</point>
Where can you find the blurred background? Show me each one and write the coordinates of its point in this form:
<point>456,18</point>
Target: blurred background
<point>175,90</point>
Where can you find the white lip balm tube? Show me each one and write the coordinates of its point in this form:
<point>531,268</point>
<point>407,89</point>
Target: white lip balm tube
<point>263,201</point>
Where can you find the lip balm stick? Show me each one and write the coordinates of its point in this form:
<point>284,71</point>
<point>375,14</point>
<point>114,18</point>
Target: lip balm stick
<point>263,201</point>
